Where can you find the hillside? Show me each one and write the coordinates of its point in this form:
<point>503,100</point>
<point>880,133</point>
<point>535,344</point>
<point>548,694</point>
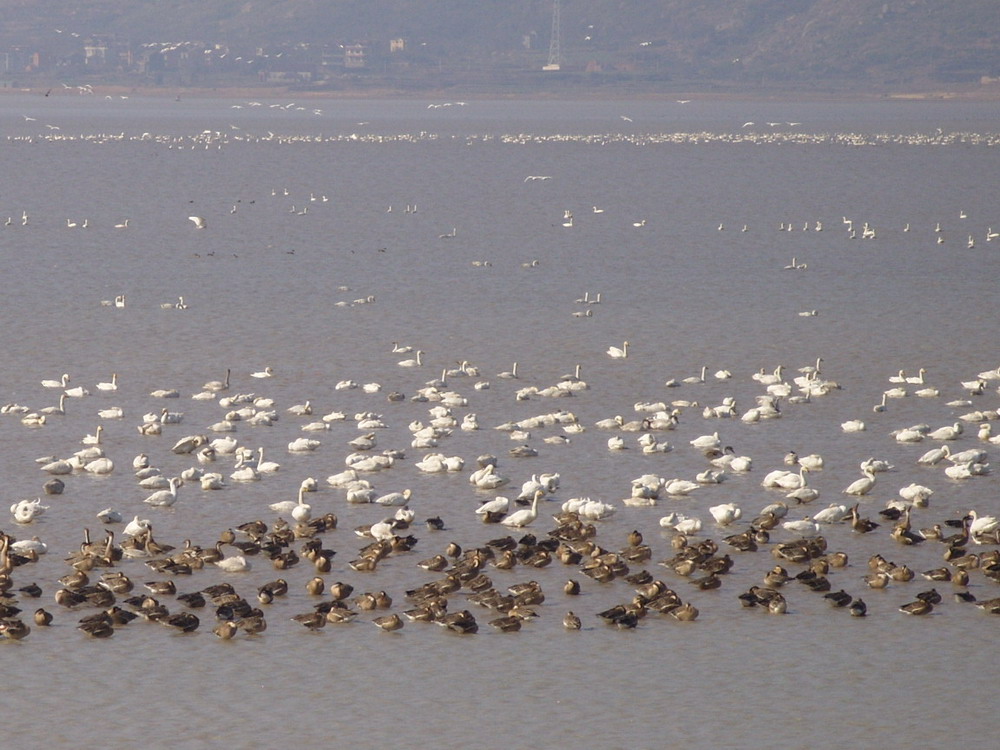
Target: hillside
<point>848,43</point>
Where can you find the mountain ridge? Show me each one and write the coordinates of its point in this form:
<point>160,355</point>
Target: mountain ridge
<point>741,43</point>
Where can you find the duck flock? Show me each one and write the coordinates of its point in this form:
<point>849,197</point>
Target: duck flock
<point>507,547</point>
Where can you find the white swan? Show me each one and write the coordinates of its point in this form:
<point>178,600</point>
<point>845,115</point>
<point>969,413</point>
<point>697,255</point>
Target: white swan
<point>26,511</point>
<point>199,221</point>
<point>488,478</point>
<point>218,385</point>
<point>267,372</point>
<point>916,493</point>
<point>417,362</point>
<point>947,432</point>
<point>726,513</point>
<point>595,510</point>
<point>861,486</point>
<point>792,481</point>
<point>982,524</point>
<point>58,467</point>
<point>525,516</point>
<point>234,564</point>
<point>908,435</point>
<point>303,445</point>
<point>687,526</point>
<point>109,386</point>
<point>616,443</point>
<point>394,498</point>
<point>164,498</point>
<point>56,410</point>
<point>212,481</point>
<point>94,439</point>
<point>287,506</point>
<point>680,486</point>
<point>225,445</point>
<point>813,461</point>
<point>302,513</point>
<point>707,442</point>
<point>853,425</point>
<point>803,527</point>
<point>496,505</point>
<point>109,515</point>
<point>137,526</point>
<point>615,353</point>
<point>244,472</point>
<point>880,407</point>
<point>834,513</point>
<point>100,466</point>
<point>266,467</point>
<point>694,379</point>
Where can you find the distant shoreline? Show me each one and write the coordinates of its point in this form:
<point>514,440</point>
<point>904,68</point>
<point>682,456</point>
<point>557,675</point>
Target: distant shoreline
<point>965,94</point>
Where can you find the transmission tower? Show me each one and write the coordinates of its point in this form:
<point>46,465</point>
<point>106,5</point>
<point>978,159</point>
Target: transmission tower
<point>555,56</point>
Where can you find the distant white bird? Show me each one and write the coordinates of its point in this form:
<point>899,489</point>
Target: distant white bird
<point>199,221</point>
<point>164,498</point>
<point>687,526</point>
<point>234,564</point>
<point>707,442</point>
<point>982,524</point>
<point>61,383</point>
<point>109,386</point>
<point>618,353</point>
<point>137,526</point>
<point>861,486</point>
<point>394,498</point>
<point>916,493</point>
<point>26,511</point>
<point>110,515</point>
<point>303,445</point>
<point>725,513</point>
<point>496,505</point>
<point>803,527</point>
<point>525,516</point>
<point>680,486</point>
<point>834,513</point>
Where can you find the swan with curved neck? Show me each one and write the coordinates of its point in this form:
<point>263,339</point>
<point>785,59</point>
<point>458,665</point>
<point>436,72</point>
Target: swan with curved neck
<point>618,353</point>
<point>218,385</point>
<point>525,516</point>
<point>164,498</point>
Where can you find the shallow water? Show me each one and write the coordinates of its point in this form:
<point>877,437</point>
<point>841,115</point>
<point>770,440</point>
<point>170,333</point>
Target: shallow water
<point>262,285</point>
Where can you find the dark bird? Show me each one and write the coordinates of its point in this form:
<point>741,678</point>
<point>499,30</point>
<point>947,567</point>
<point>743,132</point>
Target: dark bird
<point>918,607</point>
<point>571,621</point>
<point>839,598</point>
<point>186,622</point>
<point>312,620</point>
<point>389,623</point>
